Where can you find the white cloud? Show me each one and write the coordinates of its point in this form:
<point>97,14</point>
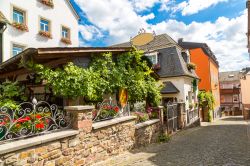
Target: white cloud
<point>89,32</point>
<point>225,36</point>
<point>141,5</point>
<point>119,19</point>
<point>194,6</point>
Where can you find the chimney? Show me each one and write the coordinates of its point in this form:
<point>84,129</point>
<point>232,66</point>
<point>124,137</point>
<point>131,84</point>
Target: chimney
<point>180,40</point>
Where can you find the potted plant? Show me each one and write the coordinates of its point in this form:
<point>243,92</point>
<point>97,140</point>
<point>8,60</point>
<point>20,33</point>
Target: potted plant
<point>20,26</point>
<point>45,34</point>
<point>48,3</point>
<point>191,66</point>
<point>66,40</point>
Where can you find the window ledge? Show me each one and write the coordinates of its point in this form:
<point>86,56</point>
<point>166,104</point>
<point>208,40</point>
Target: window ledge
<point>99,125</point>
<point>34,141</point>
<point>147,123</point>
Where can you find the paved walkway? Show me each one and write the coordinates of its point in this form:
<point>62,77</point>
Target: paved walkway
<point>225,142</point>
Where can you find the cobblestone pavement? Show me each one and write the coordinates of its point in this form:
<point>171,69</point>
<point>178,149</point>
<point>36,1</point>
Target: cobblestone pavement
<point>225,142</point>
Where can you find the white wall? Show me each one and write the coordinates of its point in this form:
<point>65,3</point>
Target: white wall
<point>60,15</point>
<point>184,84</point>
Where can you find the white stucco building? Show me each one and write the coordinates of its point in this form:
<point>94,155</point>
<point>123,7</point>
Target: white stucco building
<point>38,23</point>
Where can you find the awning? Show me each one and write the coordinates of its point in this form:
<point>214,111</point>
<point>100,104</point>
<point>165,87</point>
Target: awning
<point>169,88</point>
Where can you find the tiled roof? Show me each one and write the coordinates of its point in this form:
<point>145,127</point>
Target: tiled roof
<point>170,59</point>
<point>204,46</point>
<point>172,63</point>
<point>3,18</point>
<point>169,88</point>
<point>159,42</point>
<point>230,76</point>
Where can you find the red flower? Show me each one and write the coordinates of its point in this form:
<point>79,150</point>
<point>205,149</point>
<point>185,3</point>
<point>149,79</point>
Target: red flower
<point>40,126</point>
<point>47,121</point>
<point>116,109</point>
<point>38,116</point>
<point>23,119</point>
<point>2,123</point>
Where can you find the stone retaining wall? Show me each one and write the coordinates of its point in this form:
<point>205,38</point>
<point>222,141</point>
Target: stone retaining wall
<point>148,133</point>
<point>94,142</point>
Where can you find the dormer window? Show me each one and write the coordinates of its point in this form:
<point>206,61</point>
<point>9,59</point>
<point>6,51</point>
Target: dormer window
<point>153,57</point>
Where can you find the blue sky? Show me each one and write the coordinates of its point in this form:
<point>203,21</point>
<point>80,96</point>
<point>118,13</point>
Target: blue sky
<point>219,23</point>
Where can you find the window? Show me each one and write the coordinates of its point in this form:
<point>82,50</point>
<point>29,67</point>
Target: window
<point>16,49</point>
<point>153,57</point>
<point>44,25</point>
<point>65,33</point>
<point>235,98</point>
<point>18,16</point>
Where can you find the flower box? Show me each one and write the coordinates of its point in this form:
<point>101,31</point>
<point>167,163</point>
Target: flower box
<point>48,3</point>
<point>45,34</point>
<point>66,40</point>
<point>20,26</point>
<point>191,66</point>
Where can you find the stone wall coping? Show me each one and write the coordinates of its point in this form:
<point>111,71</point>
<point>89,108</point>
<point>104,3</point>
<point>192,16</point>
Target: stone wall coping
<point>102,124</point>
<point>34,141</point>
<point>79,108</point>
<point>147,123</point>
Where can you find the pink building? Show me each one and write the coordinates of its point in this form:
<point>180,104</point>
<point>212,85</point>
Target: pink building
<point>230,92</point>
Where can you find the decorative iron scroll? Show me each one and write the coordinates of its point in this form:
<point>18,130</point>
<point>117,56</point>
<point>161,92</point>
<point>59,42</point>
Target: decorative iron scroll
<point>31,119</point>
<point>109,110</point>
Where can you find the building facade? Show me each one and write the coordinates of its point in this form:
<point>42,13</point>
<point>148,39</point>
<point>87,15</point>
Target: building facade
<point>245,89</point>
<point>37,24</point>
<point>207,69</point>
<point>230,92</point>
<point>170,62</point>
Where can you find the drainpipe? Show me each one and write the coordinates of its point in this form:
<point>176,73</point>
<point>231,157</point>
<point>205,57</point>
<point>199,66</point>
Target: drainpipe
<point>3,27</point>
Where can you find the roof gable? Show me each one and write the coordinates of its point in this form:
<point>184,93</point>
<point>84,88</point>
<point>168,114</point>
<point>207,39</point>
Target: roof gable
<point>203,46</point>
<point>73,9</point>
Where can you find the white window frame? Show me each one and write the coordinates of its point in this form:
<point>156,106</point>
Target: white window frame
<point>153,54</point>
<point>44,25</point>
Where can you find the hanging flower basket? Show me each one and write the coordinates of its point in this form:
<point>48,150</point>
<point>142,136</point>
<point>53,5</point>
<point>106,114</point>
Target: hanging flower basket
<point>45,34</point>
<point>191,66</point>
<point>20,26</point>
<point>48,3</point>
<point>66,40</point>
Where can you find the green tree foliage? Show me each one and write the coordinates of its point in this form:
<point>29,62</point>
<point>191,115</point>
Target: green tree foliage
<point>70,81</point>
<point>127,71</point>
<point>10,92</point>
<point>106,75</point>
<point>206,99</point>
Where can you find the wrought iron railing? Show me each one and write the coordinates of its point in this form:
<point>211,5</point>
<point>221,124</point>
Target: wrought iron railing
<point>31,119</point>
<point>108,109</point>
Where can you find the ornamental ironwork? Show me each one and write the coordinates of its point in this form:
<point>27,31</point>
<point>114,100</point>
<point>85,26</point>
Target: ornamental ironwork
<point>108,109</point>
<point>30,119</point>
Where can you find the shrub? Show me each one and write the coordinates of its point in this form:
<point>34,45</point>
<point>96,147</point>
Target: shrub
<point>164,138</point>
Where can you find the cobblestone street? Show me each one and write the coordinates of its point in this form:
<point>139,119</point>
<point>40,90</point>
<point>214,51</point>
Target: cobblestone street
<point>225,142</point>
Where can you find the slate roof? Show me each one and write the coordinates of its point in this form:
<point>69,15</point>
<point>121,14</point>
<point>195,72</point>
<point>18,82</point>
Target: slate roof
<point>159,42</point>
<point>230,76</point>
<point>170,59</point>
<point>204,46</point>
<point>169,88</point>
<point>172,64</point>
<point>3,19</point>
